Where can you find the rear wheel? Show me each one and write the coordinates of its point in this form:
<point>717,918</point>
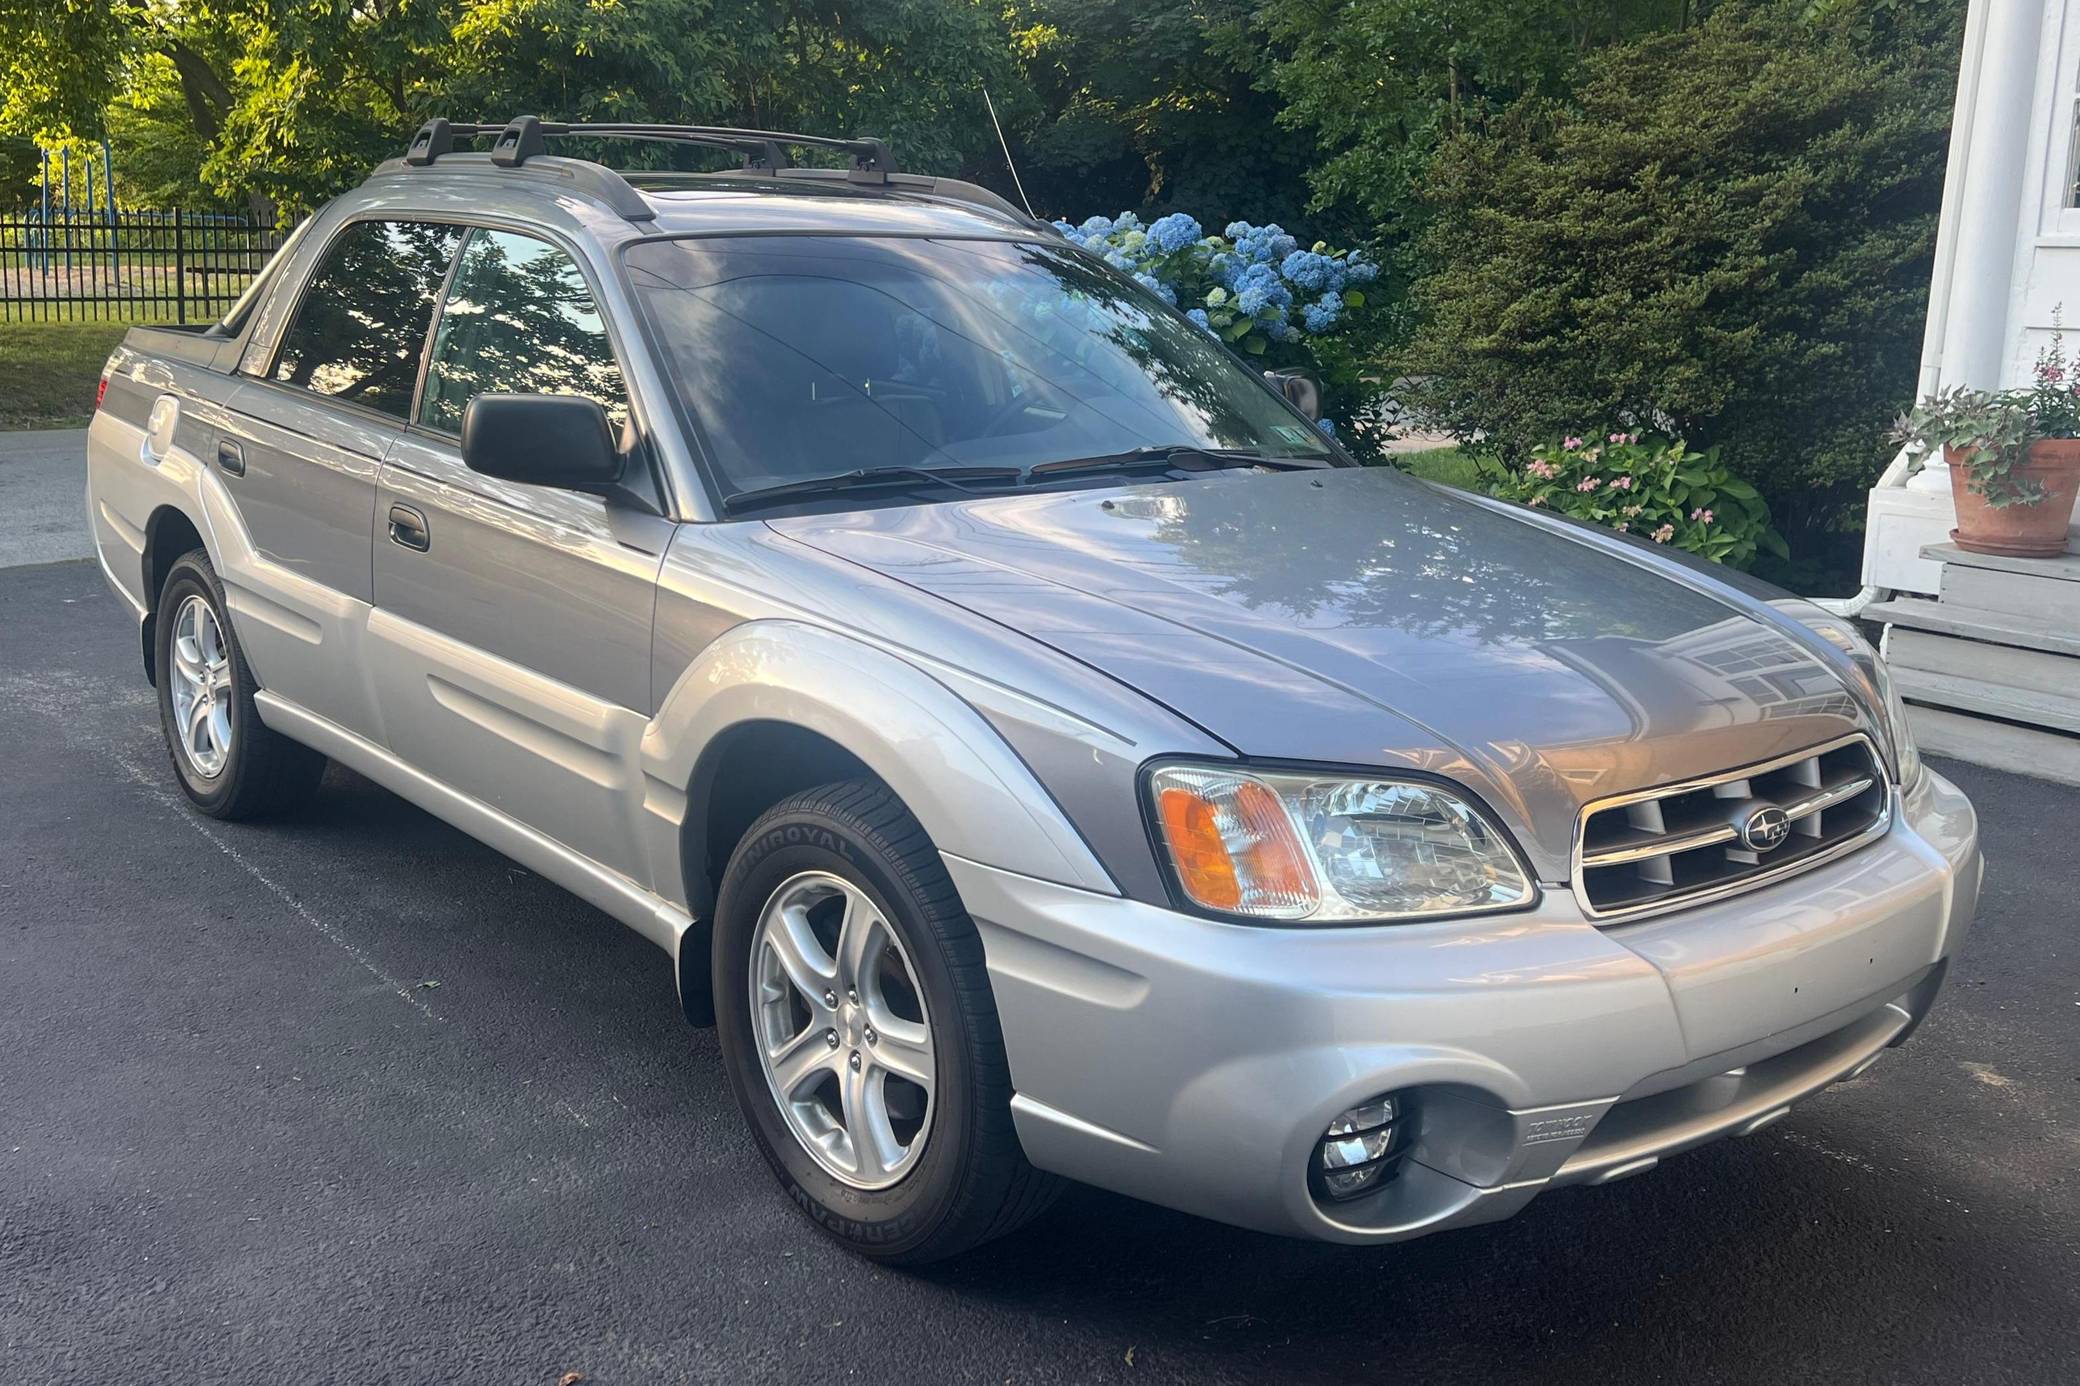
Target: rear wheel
<point>859,1030</point>
<point>228,763</point>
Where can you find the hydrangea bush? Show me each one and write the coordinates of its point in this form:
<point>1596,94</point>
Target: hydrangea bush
<point>1254,287</point>
<point>1650,486</point>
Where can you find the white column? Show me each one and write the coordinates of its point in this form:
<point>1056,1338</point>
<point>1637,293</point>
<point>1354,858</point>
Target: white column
<point>1986,202</point>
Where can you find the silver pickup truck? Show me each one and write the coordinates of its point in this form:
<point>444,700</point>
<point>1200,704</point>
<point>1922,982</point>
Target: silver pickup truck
<point>1036,745</point>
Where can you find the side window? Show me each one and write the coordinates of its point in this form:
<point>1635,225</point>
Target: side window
<point>362,324</point>
<point>519,320</point>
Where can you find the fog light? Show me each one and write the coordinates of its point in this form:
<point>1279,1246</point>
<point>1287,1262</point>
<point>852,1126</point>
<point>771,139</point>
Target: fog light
<point>1361,1149</point>
<point>1349,1183</point>
<point>1364,1118</point>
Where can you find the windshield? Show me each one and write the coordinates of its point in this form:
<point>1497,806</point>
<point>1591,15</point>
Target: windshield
<point>805,356</point>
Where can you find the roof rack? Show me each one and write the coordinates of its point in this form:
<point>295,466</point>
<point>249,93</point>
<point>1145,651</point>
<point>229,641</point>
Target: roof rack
<point>523,137</point>
<point>764,152</point>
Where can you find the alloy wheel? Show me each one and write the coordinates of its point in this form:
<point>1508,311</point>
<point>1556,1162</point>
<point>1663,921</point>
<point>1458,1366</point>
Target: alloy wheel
<point>201,688</point>
<point>842,1034</point>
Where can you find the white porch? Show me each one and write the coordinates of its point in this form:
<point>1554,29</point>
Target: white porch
<point>1987,650</point>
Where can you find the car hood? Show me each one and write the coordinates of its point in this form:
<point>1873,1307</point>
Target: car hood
<point>1357,617</point>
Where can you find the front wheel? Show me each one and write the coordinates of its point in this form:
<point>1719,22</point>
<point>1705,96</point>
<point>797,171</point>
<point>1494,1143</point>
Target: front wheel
<point>228,762</point>
<point>860,1033</point>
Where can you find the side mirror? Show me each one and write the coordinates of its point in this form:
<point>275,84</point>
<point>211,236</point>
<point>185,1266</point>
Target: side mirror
<point>542,440</point>
<point>1299,388</point>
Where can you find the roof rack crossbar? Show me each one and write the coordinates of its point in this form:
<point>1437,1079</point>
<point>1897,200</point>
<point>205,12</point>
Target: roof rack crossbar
<point>521,138</point>
<point>764,152</point>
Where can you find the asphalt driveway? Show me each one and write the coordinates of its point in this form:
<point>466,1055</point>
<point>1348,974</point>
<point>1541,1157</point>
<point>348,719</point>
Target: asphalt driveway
<point>43,481</point>
<point>352,1098</point>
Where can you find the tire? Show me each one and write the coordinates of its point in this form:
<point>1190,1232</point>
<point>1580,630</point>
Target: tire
<point>964,1178</point>
<point>260,772</point>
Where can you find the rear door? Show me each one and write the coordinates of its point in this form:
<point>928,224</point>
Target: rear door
<point>301,450</point>
<point>512,623</point>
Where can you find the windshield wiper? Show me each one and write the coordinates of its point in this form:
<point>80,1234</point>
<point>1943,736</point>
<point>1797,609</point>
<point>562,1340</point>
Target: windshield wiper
<point>1182,456</point>
<point>865,478</point>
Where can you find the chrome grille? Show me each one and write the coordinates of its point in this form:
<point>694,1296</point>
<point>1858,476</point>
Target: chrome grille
<point>1685,843</point>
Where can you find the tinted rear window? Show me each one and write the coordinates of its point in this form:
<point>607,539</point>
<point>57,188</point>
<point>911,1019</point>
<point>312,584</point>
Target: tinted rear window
<point>362,324</point>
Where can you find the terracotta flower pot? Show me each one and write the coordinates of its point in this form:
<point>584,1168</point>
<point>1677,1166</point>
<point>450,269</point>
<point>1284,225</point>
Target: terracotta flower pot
<point>2019,531</point>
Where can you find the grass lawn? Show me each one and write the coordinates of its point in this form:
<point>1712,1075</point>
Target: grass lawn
<point>1446,465</point>
<point>48,371</point>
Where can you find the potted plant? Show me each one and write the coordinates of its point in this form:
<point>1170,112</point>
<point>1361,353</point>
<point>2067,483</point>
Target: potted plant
<point>2014,458</point>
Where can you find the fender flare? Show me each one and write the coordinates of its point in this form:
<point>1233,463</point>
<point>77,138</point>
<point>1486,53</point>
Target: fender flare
<point>973,794</point>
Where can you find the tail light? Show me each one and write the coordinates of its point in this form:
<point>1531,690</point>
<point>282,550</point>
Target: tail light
<point>100,393</point>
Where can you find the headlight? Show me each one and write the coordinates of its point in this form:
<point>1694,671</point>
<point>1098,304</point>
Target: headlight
<point>1295,847</point>
<point>1906,757</point>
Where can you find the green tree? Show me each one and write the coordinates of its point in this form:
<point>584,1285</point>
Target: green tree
<point>1156,106</point>
<point>290,101</point>
<point>1727,235</point>
<point>1378,83</point>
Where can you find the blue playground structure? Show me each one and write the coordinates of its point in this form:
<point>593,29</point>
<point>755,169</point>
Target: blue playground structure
<point>51,243</point>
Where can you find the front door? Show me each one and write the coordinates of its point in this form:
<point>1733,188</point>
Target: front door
<point>512,622</point>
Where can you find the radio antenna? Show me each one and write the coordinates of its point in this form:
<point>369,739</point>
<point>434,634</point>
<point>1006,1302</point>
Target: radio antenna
<point>1016,181</point>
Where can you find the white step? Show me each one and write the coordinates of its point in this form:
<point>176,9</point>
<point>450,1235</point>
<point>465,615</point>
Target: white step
<point>2022,750</point>
<point>1989,699</point>
<point>2008,593</point>
<point>2026,671</point>
<point>2023,632</point>
<point>2065,568</point>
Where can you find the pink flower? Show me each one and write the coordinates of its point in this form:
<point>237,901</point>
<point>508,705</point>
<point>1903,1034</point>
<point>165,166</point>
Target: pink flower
<point>1621,526</point>
<point>1663,534</point>
<point>1632,437</point>
<point>1632,510</point>
<point>2050,374</point>
<point>1701,515</point>
<point>1536,500</point>
<point>1570,442</point>
<point>1544,471</point>
<point>1588,483</point>
<point>1623,483</point>
<point>1617,438</point>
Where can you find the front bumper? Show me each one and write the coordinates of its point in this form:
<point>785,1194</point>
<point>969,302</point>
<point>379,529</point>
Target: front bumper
<point>1195,1064</point>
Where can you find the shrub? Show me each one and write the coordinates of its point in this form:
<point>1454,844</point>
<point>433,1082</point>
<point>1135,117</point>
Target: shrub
<point>1656,488</point>
<point>1727,236</point>
<point>1258,290</point>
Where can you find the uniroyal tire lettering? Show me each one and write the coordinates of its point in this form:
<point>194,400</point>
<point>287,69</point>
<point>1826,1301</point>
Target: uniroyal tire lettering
<point>801,835</point>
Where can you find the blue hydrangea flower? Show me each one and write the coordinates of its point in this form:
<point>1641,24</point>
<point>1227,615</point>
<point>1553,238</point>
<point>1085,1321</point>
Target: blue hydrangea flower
<point>1156,286</point>
<point>1198,316</point>
<point>1173,233</point>
<point>1327,426</point>
<point>1096,226</point>
<point>1321,315</point>
<point>1309,269</point>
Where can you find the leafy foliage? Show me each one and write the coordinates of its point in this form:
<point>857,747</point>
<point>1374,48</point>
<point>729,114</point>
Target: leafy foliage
<point>1155,105</point>
<point>1726,237</point>
<point>1256,289</point>
<point>291,102</point>
<point>1656,488</point>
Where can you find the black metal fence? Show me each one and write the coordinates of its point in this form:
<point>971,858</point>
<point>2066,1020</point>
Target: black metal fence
<point>141,266</point>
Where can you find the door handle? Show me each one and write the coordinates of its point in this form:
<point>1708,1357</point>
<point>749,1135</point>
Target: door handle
<point>408,527</point>
<point>231,458</point>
